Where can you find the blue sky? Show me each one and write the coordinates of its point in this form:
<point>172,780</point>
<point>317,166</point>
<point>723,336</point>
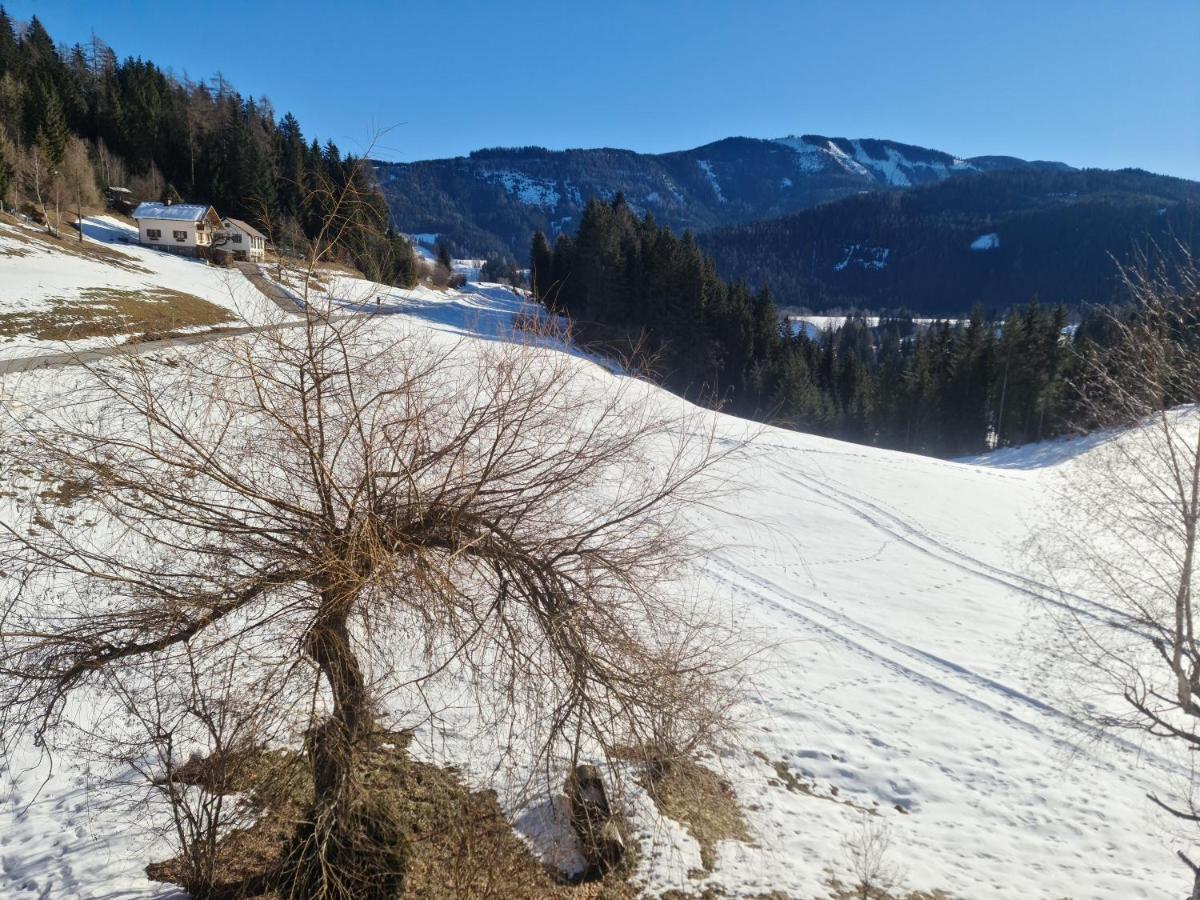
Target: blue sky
<point>1091,83</point>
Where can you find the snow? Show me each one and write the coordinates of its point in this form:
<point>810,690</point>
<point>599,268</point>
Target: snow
<point>809,158</point>
<point>842,159</point>
<point>178,212</point>
<point>528,190</point>
<point>904,674</point>
<point>707,169</point>
<point>35,275</point>
<point>813,326</point>
<point>988,241</point>
<point>863,256</point>
<point>894,169</point>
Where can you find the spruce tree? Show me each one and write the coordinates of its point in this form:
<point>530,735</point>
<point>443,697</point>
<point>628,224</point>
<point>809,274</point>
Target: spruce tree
<point>405,270</point>
<point>8,43</point>
<point>53,133</point>
<point>541,268</point>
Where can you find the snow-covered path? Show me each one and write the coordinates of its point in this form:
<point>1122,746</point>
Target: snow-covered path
<point>910,680</point>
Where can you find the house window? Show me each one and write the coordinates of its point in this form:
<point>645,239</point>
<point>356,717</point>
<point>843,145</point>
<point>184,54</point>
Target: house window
<point>153,234</point>
<point>237,238</point>
<point>180,235</point>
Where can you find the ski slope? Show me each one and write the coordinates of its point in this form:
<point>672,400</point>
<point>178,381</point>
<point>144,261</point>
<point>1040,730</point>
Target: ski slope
<point>906,674</point>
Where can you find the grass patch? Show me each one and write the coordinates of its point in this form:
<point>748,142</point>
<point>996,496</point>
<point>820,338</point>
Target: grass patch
<point>699,799</point>
<point>69,243</point>
<point>105,312</point>
<point>459,844</point>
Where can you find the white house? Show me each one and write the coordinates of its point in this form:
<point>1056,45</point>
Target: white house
<point>246,241</point>
<point>179,228</point>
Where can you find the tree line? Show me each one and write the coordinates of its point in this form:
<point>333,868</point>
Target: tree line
<point>76,120</point>
<point>946,387</point>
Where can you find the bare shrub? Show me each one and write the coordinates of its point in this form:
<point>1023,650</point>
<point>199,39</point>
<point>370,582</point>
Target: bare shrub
<point>201,726</point>
<point>1121,539</point>
<point>867,851</point>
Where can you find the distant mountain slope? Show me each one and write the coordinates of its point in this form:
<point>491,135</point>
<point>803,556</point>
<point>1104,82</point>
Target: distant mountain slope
<point>493,200</point>
<point>997,237</point>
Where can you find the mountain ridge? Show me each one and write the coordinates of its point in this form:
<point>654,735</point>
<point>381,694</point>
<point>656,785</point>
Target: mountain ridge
<point>491,201</point>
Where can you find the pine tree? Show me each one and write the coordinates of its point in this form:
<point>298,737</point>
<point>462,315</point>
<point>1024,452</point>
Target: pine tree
<point>541,269</point>
<point>53,133</point>
<point>405,269</point>
<point>8,43</point>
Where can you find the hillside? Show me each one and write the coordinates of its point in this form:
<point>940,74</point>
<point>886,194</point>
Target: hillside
<point>492,201</point>
<point>997,238</point>
<point>909,682</point>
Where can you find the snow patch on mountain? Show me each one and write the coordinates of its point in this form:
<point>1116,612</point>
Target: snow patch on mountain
<point>809,157</point>
<point>844,160</point>
<point>863,256</point>
<point>707,169</point>
<point>530,191</point>
<point>572,192</point>
<point>896,169</point>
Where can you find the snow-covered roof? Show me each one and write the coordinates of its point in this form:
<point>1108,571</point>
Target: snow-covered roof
<point>177,212</point>
<point>247,228</point>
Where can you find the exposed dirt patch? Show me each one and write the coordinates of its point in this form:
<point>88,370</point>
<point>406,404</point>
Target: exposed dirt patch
<point>101,312</point>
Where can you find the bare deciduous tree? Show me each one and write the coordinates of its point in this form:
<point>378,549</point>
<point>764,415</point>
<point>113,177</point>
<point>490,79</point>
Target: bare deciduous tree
<point>358,504</point>
<point>1122,541</point>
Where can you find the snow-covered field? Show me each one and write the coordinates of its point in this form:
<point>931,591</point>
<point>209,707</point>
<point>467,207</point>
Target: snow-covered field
<point>813,326</point>
<point>35,276</point>
<point>906,675</point>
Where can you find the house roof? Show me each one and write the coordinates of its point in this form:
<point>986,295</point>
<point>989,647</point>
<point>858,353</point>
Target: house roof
<point>177,212</point>
<point>242,226</point>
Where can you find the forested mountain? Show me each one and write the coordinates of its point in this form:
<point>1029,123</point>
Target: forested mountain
<point>491,201</point>
<point>996,238</point>
<point>946,389</point>
<point>77,119</point>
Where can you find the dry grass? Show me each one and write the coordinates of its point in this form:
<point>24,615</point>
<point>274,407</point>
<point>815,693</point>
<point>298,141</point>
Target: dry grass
<point>700,800</point>
<point>65,493</point>
<point>69,243</point>
<point>459,844</point>
<point>843,891</point>
<point>104,312</point>
<point>784,777</point>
